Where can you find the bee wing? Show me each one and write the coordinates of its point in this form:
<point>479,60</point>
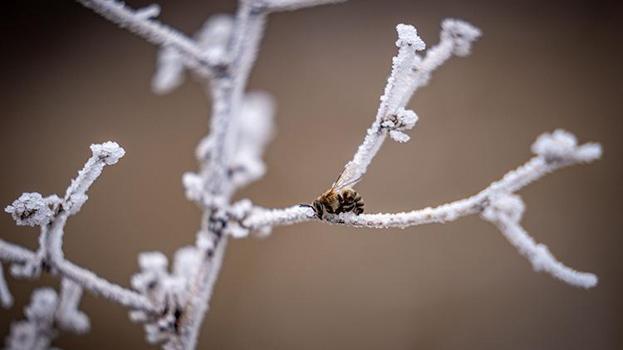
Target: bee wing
<point>349,177</point>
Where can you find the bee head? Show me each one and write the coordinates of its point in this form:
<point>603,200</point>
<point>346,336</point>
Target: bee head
<point>318,208</point>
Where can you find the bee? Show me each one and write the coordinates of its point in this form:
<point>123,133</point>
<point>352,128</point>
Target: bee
<point>340,198</point>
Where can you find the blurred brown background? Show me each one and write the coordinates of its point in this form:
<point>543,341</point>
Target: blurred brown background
<point>71,78</point>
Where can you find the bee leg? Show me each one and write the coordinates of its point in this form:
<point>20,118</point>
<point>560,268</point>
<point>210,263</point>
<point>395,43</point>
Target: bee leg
<point>358,208</point>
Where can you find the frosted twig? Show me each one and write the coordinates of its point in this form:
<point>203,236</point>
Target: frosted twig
<point>554,151</point>
<point>67,313</point>
<point>51,213</point>
<point>13,253</point>
<point>549,159</point>
<point>141,23</point>
<point>290,5</point>
<point>505,212</point>
<point>6,299</point>
<point>212,39</point>
<point>409,72</point>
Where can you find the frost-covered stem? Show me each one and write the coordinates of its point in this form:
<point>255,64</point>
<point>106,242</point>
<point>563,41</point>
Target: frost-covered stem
<point>513,181</point>
<point>13,253</point>
<point>505,213</point>
<point>201,298</point>
<point>228,91</point>
<point>6,299</point>
<point>99,286</point>
<point>409,72</point>
<point>290,5</point>
<point>497,203</point>
<point>140,23</point>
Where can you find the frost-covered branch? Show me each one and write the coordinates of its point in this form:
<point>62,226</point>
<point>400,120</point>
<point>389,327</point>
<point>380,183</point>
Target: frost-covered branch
<point>51,214</point>
<point>409,71</point>
<point>553,151</point>
<point>290,5</point>
<point>505,212</point>
<point>141,23</point>
<point>6,299</point>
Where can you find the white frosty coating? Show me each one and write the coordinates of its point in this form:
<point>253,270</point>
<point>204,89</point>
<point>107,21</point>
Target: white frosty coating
<point>109,152</point>
<point>32,209</point>
<point>14,253</point>
<point>67,314</point>
<point>255,130</point>
<point>42,314</point>
<point>505,212</point>
<point>6,299</point>
<point>50,250</point>
<point>409,72</point>
<point>212,38</point>
<point>513,181</point>
<point>36,332</point>
<point>148,12</point>
<point>169,71</point>
<point>461,33</point>
<point>562,144</point>
<point>399,122</point>
<point>397,93</point>
<point>289,5</point>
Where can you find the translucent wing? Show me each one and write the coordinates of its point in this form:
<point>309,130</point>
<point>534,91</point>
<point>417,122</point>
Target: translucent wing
<point>348,178</point>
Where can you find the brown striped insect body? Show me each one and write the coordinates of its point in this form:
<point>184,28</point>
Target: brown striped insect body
<point>340,198</point>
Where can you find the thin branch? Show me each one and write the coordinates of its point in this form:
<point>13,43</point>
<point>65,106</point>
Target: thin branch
<point>10,252</point>
<point>291,5</point>
<point>6,299</point>
<point>537,167</point>
<point>51,213</point>
<point>554,151</point>
<point>409,72</point>
<point>505,212</point>
<point>140,23</point>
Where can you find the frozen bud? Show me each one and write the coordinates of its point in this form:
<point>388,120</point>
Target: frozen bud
<point>241,209</point>
<point>461,33</point>
<point>399,136</point>
<point>204,148</point>
<point>23,336</point>
<point>406,118</point>
<point>504,207</point>
<point>204,242</point>
<point>110,152</point>
<point>555,146</point>
<point>42,306</point>
<point>148,12</point>
<point>169,71</point>
<point>407,35</point>
<point>562,145</point>
<point>214,36</point>
<point>31,209</point>
<point>152,261</point>
<point>263,231</point>
<point>187,260</point>
<point>193,184</point>
<point>397,122</point>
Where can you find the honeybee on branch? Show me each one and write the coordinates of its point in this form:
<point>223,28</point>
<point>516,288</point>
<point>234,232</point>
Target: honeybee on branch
<point>340,198</point>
